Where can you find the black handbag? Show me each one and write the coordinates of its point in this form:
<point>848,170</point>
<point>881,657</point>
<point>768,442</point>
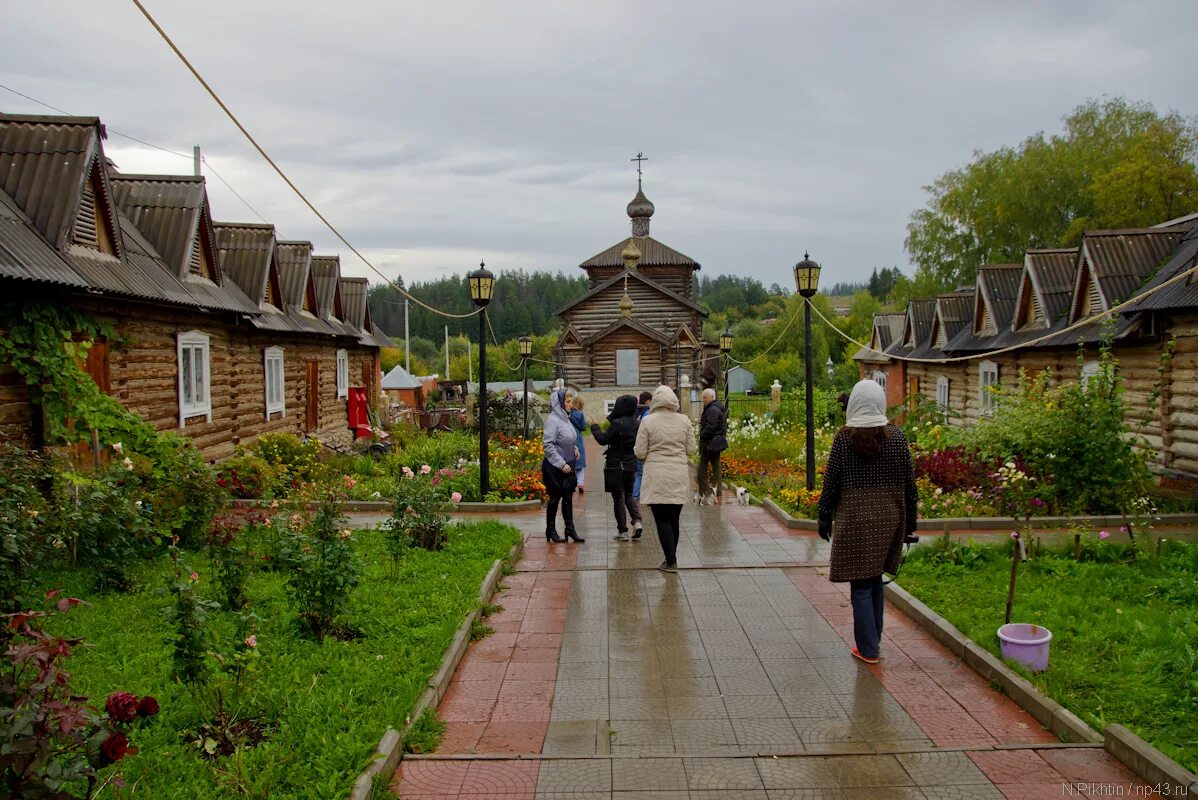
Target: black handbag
<point>613,479</point>
<point>717,443</point>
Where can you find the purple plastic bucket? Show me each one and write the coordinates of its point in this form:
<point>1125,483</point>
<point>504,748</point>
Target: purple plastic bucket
<point>1027,644</point>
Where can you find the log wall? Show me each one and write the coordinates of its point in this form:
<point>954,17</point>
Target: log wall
<point>144,377</point>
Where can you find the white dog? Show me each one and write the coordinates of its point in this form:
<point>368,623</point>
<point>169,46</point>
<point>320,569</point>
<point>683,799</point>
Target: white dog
<point>702,500</point>
<point>742,496</point>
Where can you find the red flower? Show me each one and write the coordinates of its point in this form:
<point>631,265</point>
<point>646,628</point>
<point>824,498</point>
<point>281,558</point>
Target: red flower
<point>114,748</point>
<point>122,707</point>
<point>148,707</point>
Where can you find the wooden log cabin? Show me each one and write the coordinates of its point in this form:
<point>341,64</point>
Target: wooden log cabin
<point>1020,305</point>
<point>638,325</point>
<point>227,332</point>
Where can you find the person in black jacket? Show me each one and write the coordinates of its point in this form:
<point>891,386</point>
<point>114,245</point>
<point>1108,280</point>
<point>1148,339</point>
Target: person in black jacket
<point>713,433</point>
<point>619,437</point>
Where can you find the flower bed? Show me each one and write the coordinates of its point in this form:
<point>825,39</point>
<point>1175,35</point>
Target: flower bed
<point>322,705</point>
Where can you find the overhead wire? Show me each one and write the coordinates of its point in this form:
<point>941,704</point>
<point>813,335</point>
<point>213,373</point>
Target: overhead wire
<point>279,170</point>
<point>131,138</point>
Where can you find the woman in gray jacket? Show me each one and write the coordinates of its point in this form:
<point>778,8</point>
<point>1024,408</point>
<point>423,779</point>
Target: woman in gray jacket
<point>557,470</point>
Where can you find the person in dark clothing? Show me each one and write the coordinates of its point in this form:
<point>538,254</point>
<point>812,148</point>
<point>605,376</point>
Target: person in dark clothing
<point>867,505</point>
<point>642,411</point>
<point>713,432</point>
<point>620,437</point>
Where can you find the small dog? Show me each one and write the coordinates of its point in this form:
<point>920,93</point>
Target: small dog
<point>742,496</point>
<point>702,499</point>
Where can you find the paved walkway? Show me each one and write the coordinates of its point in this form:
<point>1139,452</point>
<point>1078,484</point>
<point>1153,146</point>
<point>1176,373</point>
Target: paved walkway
<point>732,679</point>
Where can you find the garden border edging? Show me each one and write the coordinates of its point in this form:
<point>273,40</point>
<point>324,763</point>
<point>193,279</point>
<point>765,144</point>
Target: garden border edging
<point>1137,755</point>
<point>384,506</point>
<point>389,752</point>
<point>980,523</point>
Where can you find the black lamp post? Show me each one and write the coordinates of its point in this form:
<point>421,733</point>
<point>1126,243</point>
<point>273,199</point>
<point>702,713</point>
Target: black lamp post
<point>482,288</point>
<point>525,352</point>
<point>726,348</point>
<point>807,282</point>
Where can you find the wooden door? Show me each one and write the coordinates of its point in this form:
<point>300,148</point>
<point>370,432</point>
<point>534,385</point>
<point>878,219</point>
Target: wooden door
<point>312,418</point>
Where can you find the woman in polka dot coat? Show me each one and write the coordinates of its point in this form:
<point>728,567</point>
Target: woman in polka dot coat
<point>867,504</point>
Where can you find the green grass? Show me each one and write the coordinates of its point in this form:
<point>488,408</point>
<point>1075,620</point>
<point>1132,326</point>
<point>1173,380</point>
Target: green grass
<point>1125,633</point>
<point>333,701</point>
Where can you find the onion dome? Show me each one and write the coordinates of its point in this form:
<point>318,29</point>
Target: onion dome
<point>631,255</point>
<point>639,211</point>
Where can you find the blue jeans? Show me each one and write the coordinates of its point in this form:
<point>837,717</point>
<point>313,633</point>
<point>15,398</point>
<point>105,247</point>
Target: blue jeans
<point>867,602</point>
<point>636,485</point>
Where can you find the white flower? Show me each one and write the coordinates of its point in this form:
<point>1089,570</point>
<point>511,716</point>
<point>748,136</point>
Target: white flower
<point>127,463</point>
<point>118,448</point>
<point>137,503</point>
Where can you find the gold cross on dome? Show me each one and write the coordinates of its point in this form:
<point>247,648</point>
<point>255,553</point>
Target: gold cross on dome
<point>639,158</point>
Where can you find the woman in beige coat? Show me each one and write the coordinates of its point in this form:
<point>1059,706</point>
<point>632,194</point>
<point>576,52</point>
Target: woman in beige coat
<point>664,442</point>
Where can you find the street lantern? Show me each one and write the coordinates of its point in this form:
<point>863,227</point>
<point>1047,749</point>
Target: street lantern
<point>525,352</point>
<point>482,289</point>
<point>807,284</point>
<point>807,276</point>
<point>726,348</point>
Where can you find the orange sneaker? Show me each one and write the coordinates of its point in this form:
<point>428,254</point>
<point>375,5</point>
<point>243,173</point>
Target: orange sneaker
<point>857,654</point>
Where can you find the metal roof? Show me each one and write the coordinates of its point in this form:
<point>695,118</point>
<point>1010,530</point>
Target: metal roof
<point>294,260</point>
<point>1122,260</point>
<point>381,338</point>
<point>653,254</point>
<point>245,251</point>
<point>326,271</point>
<point>166,209</point>
<point>1053,271</point>
<point>1000,282</point>
<point>1184,293</point>
<point>400,378</point>
<point>26,255</point>
<point>43,164</point>
<point>920,312</point>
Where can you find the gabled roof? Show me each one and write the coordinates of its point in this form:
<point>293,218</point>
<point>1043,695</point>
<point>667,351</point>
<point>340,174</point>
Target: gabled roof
<point>634,274</point>
<point>295,263</point>
<point>997,285</point>
<point>634,324</point>
<point>568,332</point>
<point>247,255</point>
<point>26,255</point>
<point>1047,281</point>
<point>1121,260</point>
<point>685,336</point>
<point>918,326</point>
<point>400,378</point>
<point>326,275</point>
<point>171,212</point>
<point>887,332</point>
<point>45,163</point>
<point>357,311</point>
<point>653,254</point>
<point>954,313</point>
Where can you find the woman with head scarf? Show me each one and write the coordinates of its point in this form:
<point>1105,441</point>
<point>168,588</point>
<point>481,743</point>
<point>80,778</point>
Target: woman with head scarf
<point>557,470</point>
<point>619,460</point>
<point>665,442</point>
<point>579,421</point>
<point>867,506</point>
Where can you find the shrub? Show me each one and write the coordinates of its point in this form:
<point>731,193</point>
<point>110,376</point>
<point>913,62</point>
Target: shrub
<point>250,476</point>
<point>321,563</point>
<point>25,523</point>
<point>953,468</point>
<point>418,519</point>
<point>52,744</point>
<point>297,461</point>
<point>230,547</point>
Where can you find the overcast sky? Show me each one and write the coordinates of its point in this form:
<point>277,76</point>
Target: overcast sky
<point>436,134</point>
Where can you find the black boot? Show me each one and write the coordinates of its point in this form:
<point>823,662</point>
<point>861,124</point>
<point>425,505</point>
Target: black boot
<point>574,537</point>
<point>551,536</point>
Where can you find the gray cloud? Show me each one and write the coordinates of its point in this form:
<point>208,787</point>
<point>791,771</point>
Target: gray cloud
<point>437,134</point>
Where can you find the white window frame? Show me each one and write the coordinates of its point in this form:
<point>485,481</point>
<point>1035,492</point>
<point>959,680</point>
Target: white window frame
<point>342,374</point>
<point>1089,370</point>
<point>274,380</point>
<point>987,398</point>
<point>195,396</point>
<point>943,394</point>
<point>880,378</point>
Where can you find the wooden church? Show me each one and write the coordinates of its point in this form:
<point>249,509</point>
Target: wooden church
<point>638,325</point>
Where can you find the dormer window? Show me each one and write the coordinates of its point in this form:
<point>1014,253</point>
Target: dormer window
<point>92,228</point>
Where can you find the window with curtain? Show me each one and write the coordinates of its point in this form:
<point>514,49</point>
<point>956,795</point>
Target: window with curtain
<point>275,396</point>
<point>195,396</point>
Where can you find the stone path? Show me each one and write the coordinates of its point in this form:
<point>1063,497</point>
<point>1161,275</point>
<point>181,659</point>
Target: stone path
<point>732,679</point>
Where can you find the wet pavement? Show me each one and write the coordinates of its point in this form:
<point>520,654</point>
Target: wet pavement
<point>732,679</point>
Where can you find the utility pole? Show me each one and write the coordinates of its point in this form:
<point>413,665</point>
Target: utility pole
<point>195,157</point>
<point>447,352</point>
<point>407,339</point>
